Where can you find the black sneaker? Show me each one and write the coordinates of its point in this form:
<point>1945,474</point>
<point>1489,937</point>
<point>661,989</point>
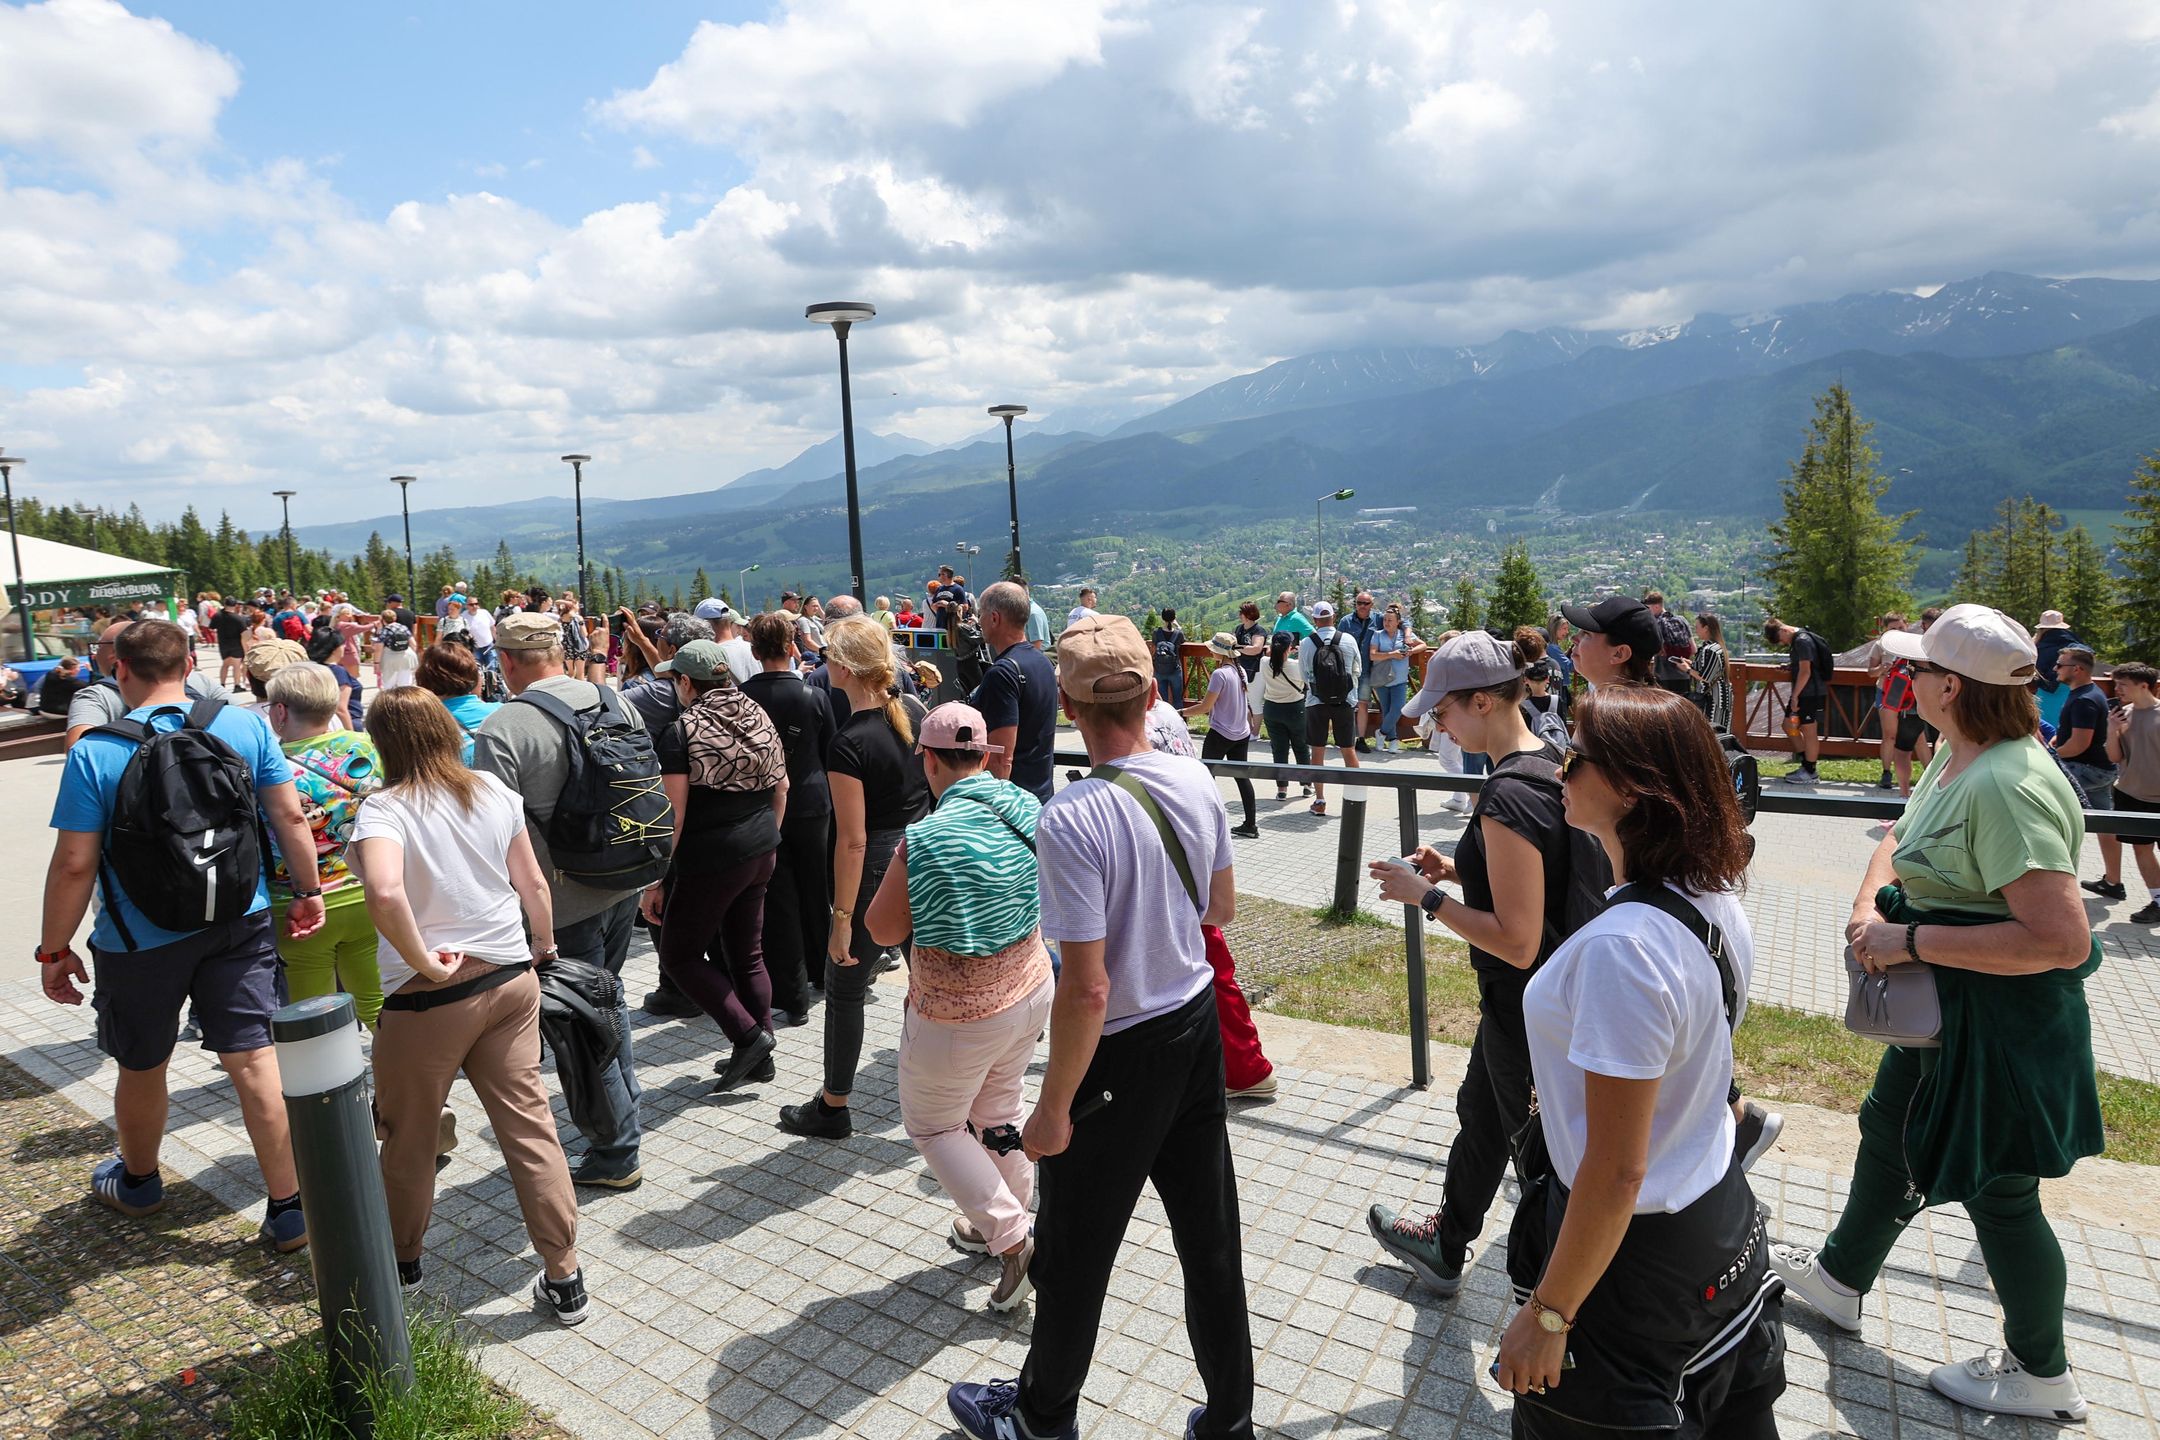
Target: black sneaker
<point>748,1057</point>
<point>2150,915</point>
<point>606,1178</point>
<point>811,1118</point>
<point>565,1297</point>
<point>789,1019</point>
<point>1246,832</point>
<point>2105,889</point>
<point>670,1004</point>
<point>1364,747</point>
<point>1886,783</point>
<point>1755,1133</point>
<point>408,1275</point>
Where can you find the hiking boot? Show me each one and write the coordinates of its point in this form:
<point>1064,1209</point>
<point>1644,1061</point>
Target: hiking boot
<point>748,1057</point>
<point>670,1004</point>
<point>1756,1132</point>
<point>109,1187</point>
<point>2150,915</point>
<point>817,1120</point>
<point>1804,1276</point>
<point>1996,1382</point>
<point>992,1412</point>
<point>565,1297</point>
<point>1013,1284</point>
<point>2106,889</point>
<point>1261,1089</point>
<point>1417,1244</point>
<point>607,1177</point>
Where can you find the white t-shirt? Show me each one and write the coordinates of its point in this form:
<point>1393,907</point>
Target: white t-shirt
<point>190,624</point>
<point>457,871</point>
<point>1079,613</point>
<point>1633,995</point>
<point>1106,876</point>
<point>742,662</point>
<point>482,626</point>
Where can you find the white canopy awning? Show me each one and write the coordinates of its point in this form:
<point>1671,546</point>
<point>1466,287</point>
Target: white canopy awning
<point>55,575</point>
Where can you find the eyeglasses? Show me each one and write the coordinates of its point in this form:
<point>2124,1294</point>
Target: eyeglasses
<point>1569,761</point>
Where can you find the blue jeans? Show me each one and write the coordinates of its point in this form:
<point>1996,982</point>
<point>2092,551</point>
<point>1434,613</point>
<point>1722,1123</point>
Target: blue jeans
<point>604,940</point>
<point>1391,703</point>
<point>1475,763</point>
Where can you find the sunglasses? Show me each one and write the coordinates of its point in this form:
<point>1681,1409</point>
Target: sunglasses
<point>1569,761</point>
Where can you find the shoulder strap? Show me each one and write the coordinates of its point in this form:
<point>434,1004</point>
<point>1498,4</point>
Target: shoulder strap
<point>202,712</point>
<point>1171,843</point>
<point>1660,897</point>
<point>1018,834</point>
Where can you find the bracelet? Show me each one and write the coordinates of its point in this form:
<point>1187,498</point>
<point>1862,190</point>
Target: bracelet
<point>306,894</point>
<point>53,957</point>
<point>1912,940</point>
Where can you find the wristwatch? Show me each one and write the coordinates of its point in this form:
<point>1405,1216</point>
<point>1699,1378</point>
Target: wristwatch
<point>1551,1321</point>
<point>1432,902</point>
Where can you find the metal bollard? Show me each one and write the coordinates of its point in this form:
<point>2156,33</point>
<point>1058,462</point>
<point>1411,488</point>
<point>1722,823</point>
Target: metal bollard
<point>1350,851</point>
<point>1414,952</point>
<point>324,1078</point>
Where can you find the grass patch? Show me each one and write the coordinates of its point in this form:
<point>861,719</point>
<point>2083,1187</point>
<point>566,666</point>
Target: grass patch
<point>450,1399</point>
<point>1329,918</point>
<point>1851,772</point>
<point>1295,962</point>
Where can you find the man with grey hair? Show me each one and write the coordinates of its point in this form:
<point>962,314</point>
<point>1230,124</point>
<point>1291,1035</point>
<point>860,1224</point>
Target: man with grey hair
<point>842,606</point>
<point>653,694</point>
<point>1018,693</point>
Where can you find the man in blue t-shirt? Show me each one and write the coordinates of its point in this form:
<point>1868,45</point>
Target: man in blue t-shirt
<point>1018,693</point>
<point>230,969</point>
<point>1359,625</point>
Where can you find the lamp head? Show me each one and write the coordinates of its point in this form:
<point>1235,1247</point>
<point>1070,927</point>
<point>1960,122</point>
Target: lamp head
<point>11,461</point>
<point>1344,494</point>
<point>576,459</point>
<point>1006,412</point>
<point>403,480</point>
<point>748,568</point>
<point>839,312</point>
<point>284,494</point>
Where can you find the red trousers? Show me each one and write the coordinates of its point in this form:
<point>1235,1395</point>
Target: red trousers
<point>1243,1064</point>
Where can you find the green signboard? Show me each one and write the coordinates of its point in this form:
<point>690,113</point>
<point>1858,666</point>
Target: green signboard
<point>114,592</point>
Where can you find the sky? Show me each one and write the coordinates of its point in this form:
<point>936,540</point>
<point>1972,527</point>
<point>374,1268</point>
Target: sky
<point>245,248</point>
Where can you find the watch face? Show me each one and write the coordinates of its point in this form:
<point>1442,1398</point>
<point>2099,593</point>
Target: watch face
<point>1550,1320</point>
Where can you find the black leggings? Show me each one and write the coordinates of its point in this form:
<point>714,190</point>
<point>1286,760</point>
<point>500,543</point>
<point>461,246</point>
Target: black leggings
<point>847,987</point>
<point>1217,746</point>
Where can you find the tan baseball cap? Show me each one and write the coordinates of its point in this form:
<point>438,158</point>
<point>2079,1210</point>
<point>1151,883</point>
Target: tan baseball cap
<point>1103,659</point>
<point>529,631</point>
<point>270,656</point>
<point>1974,641</point>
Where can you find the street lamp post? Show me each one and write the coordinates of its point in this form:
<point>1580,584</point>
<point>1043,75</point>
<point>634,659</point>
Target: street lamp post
<point>22,587</point>
<point>285,499</point>
<point>404,486</point>
<point>577,491</point>
<point>1012,485</point>
<point>1319,572</point>
<point>742,587</point>
<point>842,314</point>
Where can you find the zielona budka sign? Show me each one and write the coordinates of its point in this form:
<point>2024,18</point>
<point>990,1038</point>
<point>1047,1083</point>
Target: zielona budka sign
<point>117,591</point>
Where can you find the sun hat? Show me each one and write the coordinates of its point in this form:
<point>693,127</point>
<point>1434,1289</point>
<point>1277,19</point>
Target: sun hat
<point>956,725</point>
<point>1472,660</point>
<point>1223,643</point>
<point>2052,620</point>
<point>1103,660</point>
<point>1974,641</point>
<point>702,660</point>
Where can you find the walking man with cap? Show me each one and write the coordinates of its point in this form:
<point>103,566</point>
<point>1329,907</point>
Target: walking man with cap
<point>1132,860</point>
<point>528,749</point>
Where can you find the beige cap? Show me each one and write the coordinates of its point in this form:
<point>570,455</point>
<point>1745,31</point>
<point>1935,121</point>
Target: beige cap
<point>1104,660</point>
<point>270,656</point>
<point>1974,641</point>
<point>529,631</point>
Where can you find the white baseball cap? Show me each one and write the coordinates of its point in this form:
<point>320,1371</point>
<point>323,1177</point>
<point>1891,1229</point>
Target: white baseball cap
<point>1974,641</point>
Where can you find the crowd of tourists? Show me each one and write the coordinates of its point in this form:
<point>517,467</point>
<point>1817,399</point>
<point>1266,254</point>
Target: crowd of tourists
<point>780,801</point>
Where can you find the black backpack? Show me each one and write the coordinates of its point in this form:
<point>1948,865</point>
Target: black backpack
<point>186,840</point>
<point>613,827</point>
<point>1746,775</point>
<point>1330,679</point>
<point>1589,870</point>
<point>1166,650</point>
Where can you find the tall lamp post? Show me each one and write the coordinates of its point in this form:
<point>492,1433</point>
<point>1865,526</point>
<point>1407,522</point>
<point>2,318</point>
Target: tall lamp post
<point>742,587</point>
<point>285,498</point>
<point>22,588</point>
<point>1320,544</point>
<point>404,488</point>
<point>577,491</point>
<point>842,314</point>
<point>1012,484</point>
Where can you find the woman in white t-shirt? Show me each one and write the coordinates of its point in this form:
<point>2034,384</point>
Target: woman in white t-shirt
<point>446,860</point>
<point>1650,1306</point>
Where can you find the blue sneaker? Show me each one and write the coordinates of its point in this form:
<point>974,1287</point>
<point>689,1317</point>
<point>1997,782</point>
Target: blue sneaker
<point>992,1412</point>
<point>285,1231</point>
<point>108,1185</point>
<point>1192,1422</point>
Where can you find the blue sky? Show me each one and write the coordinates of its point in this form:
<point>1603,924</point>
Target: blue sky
<point>246,247</point>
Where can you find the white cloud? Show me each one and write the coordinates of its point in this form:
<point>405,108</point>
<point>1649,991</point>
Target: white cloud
<point>643,159</point>
<point>89,82</point>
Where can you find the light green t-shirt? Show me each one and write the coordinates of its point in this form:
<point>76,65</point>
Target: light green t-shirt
<point>2009,813</point>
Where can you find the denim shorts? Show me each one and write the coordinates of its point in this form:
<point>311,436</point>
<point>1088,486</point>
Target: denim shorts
<point>2097,781</point>
<point>230,971</point>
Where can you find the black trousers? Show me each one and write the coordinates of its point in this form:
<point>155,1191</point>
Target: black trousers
<point>798,910</point>
<point>847,987</point>
<point>1491,1105</point>
<point>1217,747</point>
<point>1166,1123</point>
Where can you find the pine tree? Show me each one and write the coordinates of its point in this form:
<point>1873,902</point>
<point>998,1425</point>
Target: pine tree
<point>1463,614</point>
<point>1339,597</point>
<point>2088,590</point>
<point>1418,602</point>
<point>1516,598</point>
<point>505,562</point>
<point>2138,543</point>
<point>699,585</point>
<point>1841,562</point>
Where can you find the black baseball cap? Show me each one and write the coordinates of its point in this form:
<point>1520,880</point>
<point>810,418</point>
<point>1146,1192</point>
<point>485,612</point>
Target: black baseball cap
<point>1622,619</point>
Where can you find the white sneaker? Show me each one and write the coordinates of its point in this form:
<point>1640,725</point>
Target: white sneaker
<point>1796,1266</point>
<point>1459,803</point>
<point>1262,1089</point>
<point>1995,1381</point>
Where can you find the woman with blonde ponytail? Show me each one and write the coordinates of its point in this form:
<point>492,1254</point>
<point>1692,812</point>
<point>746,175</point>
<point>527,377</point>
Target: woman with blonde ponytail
<point>878,790</point>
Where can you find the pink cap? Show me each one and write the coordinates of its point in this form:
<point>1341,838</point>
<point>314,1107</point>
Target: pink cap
<point>956,725</point>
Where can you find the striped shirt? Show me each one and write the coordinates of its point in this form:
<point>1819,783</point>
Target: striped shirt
<point>971,878</point>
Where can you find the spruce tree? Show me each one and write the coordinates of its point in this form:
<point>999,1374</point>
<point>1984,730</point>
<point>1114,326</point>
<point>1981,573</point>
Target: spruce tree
<point>2088,590</point>
<point>2138,543</point>
<point>1463,614</point>
<point>1841,562</point>
<point>699,584</point>
<point>1516,598</point>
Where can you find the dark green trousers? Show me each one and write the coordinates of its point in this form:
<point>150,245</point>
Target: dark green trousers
<point>2023,1257</point>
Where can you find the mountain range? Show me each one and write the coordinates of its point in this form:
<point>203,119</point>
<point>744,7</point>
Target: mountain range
<point>1998,385</point>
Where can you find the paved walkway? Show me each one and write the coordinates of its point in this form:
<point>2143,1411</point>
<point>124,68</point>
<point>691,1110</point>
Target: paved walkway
<point>769,1286</point>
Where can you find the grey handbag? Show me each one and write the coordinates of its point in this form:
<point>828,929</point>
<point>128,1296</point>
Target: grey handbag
<point>1898,1007</point>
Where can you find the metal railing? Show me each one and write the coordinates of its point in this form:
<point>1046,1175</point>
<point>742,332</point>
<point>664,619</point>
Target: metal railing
<point>1350,843</point>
